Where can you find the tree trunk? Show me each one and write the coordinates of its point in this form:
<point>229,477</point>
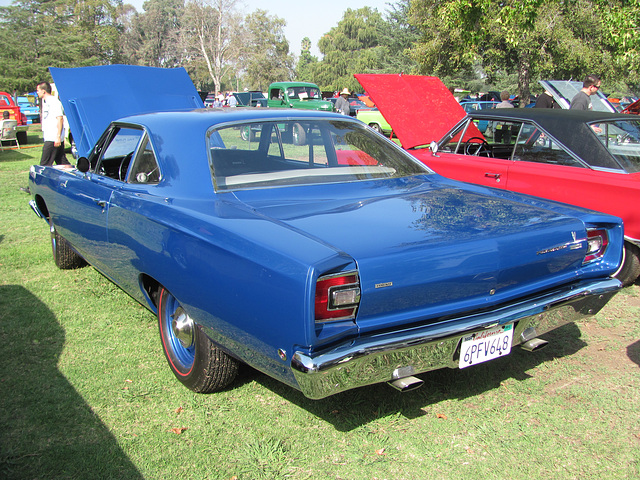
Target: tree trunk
<point>524,77</point>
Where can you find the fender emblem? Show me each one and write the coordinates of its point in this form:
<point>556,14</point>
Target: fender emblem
<point>382,285</point>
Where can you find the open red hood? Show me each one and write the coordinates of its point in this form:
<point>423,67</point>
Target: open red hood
<point>420,109</point>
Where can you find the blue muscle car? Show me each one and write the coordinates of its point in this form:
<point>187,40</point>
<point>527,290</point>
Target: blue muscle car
<point>314,250</point>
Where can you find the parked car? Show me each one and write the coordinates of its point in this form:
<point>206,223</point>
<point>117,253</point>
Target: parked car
<point>250,99</point>
<point>7,103</point>
<point>30,109</point>
<point>474,105</point>
<point>375,120</point>
<point>328,266</point>
<point>301,95</point>
<point>563,92</point>
<point>209,99</point>
<point>589,159</point>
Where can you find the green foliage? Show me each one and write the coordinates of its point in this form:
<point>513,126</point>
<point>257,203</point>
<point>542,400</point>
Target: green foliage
<point>153,37</point>
<point>353,46</point>
<point>398,35</point>
<point>267,59</point>
<point>535,39</point>
<point>306,62</point>
<point>38,34</point>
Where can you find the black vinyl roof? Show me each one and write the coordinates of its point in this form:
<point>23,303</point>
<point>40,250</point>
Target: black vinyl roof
<point>570,127</point>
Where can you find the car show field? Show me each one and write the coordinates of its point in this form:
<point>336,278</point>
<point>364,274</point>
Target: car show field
<point>294,272</point>
<point>90,392</point>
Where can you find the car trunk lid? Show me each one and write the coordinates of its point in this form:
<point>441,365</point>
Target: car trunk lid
<point>424,249</point>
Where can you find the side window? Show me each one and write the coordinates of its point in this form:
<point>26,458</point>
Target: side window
<point>503,133</point>
<point>304,143</point>
<point>145,167</point>
<point>535,146</point>
<point>117,154</point>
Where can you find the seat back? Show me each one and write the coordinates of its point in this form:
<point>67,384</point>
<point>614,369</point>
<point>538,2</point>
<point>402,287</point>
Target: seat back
<point>8,130</point>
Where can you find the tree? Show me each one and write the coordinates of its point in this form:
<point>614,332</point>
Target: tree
<point>398,36</point>
<point>353,46</point>
<point>533,38</point>
<point>153,36</point>
<point>38,34</point>
<point>621,30</point>
<point>306,62</point>
<point>211,37</point>
<point>266,54</point>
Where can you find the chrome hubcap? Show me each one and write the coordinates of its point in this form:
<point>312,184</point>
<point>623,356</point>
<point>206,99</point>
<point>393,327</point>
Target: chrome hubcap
<point>182,327</point>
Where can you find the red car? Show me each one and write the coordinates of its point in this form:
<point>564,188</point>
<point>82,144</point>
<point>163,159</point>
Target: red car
<point>7,103</point>
<point>584,158</point>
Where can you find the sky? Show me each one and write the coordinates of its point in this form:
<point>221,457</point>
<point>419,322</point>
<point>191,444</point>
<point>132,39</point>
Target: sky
<point>304,19</point>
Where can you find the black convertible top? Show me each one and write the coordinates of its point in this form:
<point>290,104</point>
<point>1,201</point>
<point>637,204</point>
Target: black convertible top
<point>570,127</point>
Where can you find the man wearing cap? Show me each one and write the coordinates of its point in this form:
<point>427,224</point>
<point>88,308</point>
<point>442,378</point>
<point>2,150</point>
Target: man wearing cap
<point>342,104</point>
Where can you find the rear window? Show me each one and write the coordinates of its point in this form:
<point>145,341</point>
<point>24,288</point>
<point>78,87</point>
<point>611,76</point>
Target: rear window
<point>622,139</point>
<point>268,154</point>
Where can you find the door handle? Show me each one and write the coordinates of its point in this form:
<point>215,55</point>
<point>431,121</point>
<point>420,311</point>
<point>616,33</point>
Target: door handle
<point>493,175</point>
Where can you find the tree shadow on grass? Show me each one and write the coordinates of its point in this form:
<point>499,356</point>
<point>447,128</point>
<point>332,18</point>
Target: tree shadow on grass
<point>46,429</point>
<point>354,408</point>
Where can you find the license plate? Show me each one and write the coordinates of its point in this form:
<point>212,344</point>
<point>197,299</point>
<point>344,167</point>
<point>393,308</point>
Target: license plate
<point>486,345</point>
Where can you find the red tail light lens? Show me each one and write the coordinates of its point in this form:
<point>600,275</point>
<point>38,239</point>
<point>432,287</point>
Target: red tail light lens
<point>597,244</point>
<point>337,296</point>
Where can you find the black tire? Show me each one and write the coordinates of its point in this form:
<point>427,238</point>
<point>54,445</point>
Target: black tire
<point>630,269</point>
<point>65,257</point>
<point>299,134</point>
<point>193,358</point>
<point>376,127</point>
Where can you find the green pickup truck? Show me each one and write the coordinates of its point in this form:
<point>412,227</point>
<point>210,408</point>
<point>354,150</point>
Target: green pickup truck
<point>297,95</point>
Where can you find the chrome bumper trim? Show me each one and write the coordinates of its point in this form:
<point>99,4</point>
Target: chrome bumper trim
<point>34,207</point>
<point>374,358</point>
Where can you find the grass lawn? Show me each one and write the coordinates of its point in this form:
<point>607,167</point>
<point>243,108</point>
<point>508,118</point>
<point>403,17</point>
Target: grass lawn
<point>85,393</point>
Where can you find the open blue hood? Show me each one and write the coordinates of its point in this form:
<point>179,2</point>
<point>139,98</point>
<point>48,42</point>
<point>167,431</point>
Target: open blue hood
<point>93,97</point>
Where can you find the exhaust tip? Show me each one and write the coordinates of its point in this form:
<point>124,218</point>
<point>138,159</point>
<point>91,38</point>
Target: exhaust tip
<point>406,384</point>
<point>534,344</point>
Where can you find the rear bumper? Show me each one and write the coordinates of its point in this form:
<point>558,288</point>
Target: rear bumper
<point>387,356</point>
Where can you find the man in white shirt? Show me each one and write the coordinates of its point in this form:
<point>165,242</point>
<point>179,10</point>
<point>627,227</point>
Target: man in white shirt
<point>52,127</point>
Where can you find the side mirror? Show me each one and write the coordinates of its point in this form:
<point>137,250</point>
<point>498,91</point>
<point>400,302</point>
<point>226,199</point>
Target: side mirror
<point>433,146</point>
<point>83,164</point>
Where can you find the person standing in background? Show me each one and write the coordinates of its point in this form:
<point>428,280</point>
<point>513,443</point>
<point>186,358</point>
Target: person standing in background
<point>581,100</point>
<point>52,127</point>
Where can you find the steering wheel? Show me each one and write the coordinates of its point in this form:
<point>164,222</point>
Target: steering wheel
<point>477,146</point>
<point>122,174</point>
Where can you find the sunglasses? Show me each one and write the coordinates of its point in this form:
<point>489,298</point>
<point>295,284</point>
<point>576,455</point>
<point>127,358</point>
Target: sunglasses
<point>596,86</point>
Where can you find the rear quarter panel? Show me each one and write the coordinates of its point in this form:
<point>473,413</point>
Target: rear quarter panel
<point>614,193</point>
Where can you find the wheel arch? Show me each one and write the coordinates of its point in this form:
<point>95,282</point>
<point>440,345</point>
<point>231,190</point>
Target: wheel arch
<point>151,291</point>
<point>42,207</point>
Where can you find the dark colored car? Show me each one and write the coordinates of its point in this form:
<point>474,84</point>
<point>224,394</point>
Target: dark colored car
<point>250,99</point>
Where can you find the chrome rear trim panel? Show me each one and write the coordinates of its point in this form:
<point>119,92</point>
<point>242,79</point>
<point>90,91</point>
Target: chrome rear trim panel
<point>373,358</point>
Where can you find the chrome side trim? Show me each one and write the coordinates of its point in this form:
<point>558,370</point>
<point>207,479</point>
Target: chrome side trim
<point>36,210</point>
<point>635,241</point>
<point>374,358</point>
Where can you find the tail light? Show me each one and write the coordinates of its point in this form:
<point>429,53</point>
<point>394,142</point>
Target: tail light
<point>337,296</point>
<point>597,239</point>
